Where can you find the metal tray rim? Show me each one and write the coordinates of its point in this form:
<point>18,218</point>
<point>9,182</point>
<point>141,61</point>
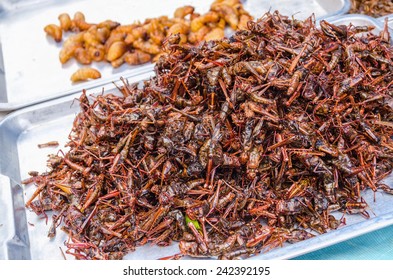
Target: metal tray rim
<point>344,10</point>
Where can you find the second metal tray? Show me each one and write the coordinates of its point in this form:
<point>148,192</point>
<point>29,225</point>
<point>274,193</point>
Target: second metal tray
<point>30,71</point>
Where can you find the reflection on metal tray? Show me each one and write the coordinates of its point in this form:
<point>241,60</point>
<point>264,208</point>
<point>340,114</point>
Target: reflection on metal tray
<point>357,20</point>
<point>30,71</point>
<point>23,235</point>
<point>390,20</point>
<point>300,9</point>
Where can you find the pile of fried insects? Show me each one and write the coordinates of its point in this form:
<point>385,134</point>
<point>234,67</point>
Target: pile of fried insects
<point>235,147</point>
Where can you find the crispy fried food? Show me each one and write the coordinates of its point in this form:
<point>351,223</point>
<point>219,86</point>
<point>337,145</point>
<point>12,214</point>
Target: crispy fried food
<point>97,53</point>
<point>228,13</point>
<point>84,74</point>
<point>146,46</point>
<point>137,57</point>
<point>79,22</point>
<point>184,11</point>
<point>54,31</point>
<point>374,8</point>
<point>82,56</point>
<point>216,34</point>
<point>243,20</point>
<point>199,22</point>
<point>65,21</point>
<point>180,27</point>
<point>116,50</point>
<point>69,47</point>
<point>134,43</point>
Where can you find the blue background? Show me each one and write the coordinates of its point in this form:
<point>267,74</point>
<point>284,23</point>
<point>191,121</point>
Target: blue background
<point>377,245</point>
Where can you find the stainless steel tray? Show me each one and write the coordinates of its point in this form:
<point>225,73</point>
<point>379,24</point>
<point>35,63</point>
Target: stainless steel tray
<point>30,71</point>
<point>23,235</point>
